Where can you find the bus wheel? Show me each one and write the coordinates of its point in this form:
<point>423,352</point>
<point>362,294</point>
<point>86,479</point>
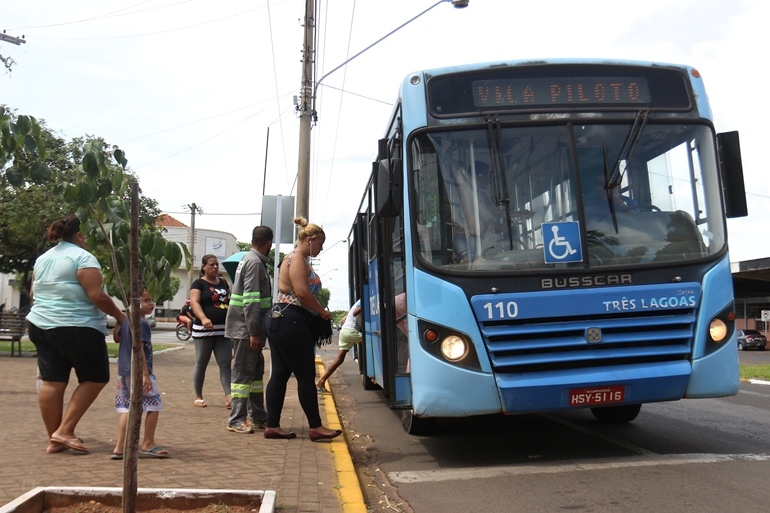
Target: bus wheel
<point>617,414</point>
<point>417,425</point>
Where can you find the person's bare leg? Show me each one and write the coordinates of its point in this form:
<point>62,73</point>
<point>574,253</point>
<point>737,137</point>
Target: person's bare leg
<point>121,440</point>
<point>82,398</point>
<point>148,444</point>
<point>150,424</point>
<point>332,367</point>
<point>51,400</point>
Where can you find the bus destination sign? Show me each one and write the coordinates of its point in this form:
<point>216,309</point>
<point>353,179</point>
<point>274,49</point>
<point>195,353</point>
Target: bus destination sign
<point>557,91</point>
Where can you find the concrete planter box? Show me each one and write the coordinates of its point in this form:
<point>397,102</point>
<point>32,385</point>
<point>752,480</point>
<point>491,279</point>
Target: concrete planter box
<point>38,499</point>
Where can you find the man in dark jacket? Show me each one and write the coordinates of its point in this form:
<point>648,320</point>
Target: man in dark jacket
<point>250,300</point>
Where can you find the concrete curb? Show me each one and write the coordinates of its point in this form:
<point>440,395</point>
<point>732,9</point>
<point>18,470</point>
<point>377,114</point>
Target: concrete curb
<point>755,381</point>
<point>349,491</point>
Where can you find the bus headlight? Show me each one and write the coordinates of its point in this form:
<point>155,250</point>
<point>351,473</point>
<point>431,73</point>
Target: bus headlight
<point>718,330</point>
<point>454,348</point>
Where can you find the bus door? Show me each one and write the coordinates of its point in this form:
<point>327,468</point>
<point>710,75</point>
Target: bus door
<point>379,274</point>
<point>364,270</point>
<point>394,314</point>
<point>389,221</point>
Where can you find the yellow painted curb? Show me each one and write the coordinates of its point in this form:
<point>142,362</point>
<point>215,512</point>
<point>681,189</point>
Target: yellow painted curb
<point>348,486</point>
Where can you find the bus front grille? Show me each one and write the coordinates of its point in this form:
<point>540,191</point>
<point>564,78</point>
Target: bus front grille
<point>588,342</point>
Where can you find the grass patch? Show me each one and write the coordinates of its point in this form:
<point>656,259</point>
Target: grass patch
<point>756,372</point>
<point>112,348</point>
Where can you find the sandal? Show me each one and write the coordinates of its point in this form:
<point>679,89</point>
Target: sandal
<point>200,403</point>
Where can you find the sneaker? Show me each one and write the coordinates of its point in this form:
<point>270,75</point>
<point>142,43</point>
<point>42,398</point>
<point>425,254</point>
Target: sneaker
<point>242,429</point>
<point>256,424</point>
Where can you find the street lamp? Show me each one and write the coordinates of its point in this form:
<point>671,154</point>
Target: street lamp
<point>306,103</point>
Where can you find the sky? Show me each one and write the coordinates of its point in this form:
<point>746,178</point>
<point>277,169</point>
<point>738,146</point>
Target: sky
<point>200,94</point>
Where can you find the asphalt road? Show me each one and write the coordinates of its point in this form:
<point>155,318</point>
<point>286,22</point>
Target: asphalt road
<point>709,455</point>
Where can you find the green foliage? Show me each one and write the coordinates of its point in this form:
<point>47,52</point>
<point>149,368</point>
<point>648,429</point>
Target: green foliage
<point>339,316</point>
<point>323,296</point>
<point>98,191</point>
<point>44,178</point>
<point>22,150</point>
<point>271,258</point>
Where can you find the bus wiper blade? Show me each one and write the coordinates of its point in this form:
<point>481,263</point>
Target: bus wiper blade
<point>499,182</point>
<point>608,188</point>
<point>629,145</point>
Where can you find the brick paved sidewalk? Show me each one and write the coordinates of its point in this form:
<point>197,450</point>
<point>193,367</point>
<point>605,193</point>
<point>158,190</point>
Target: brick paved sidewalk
<point>304,474</point>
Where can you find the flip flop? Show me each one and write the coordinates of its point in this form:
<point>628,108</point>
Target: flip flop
<point>200,403</point>
<point>76,444</point>
<point>157,452</point>
<point>115,456</point>
<point>321,390</point>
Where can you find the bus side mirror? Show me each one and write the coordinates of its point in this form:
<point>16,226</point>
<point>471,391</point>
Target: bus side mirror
<point>388,187</point>
<point>731,168</point>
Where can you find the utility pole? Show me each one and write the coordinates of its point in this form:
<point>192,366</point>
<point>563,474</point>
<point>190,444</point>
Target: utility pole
<point>193,210</point>
<point>306,109</point>
<point>7,61</point>
<point>306,102</point>
<point>10,39</point>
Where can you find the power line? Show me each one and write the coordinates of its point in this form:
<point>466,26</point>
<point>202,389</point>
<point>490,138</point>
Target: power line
<point>218,213</point>
<point>140,35</point>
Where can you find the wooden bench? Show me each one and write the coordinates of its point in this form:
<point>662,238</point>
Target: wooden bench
<point>12,327</point>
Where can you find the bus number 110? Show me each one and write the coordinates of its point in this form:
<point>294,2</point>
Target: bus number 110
<point>502,310</point>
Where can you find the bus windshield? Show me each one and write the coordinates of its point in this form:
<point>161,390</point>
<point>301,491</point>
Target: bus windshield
<point>641,193</point>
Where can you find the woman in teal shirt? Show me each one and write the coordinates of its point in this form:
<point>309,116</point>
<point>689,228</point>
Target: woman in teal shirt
<point>67,324</point>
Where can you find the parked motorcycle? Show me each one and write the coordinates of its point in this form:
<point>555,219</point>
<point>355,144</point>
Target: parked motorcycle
<point>182,333</point>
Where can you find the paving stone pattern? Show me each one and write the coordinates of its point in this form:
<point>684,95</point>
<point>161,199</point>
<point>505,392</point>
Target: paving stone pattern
<point>204,453</point>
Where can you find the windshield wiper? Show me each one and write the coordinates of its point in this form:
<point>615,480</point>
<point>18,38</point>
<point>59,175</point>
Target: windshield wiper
<point>608,188</point>
<point>626,152</point>
<point>614,177</point>
<point>497,169</point>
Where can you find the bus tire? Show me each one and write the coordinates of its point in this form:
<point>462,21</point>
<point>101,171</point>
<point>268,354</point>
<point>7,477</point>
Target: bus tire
<point>415,425</point>
<point>616,414</point>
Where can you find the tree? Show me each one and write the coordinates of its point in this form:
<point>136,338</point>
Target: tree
<point>323,296</point>
<point>34,180</point>
<point>22,150</point>
<point>98,189</point>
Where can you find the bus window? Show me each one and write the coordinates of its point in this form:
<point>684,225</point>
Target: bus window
<point>483,211</point>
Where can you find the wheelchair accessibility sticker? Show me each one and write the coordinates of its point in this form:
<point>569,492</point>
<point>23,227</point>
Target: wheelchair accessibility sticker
<point>561,242</point>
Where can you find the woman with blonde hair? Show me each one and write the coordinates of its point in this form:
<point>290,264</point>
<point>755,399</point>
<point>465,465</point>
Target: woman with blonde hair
<point>292,346</point>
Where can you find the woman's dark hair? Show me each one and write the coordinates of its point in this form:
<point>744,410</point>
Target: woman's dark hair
<point>64,229</point>
<point>205,260</point>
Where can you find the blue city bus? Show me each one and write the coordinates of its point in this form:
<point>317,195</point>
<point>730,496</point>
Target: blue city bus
<point>548,235</point>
